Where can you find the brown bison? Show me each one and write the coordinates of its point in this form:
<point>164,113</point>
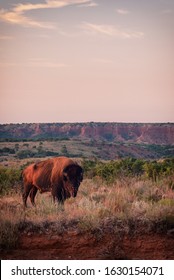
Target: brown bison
<point>60,175</point>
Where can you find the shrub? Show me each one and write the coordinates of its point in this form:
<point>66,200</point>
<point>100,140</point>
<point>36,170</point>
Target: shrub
<point>129,167</point>
<point>9,179</point>
<point>7,150</point>
<point>9,234</point>
<point>89,168</point>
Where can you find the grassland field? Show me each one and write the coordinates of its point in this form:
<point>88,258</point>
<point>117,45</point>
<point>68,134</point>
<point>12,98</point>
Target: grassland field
<point>114,216</point>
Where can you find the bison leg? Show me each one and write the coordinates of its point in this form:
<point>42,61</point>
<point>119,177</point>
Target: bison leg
<point>56,196</point>
<point>32,195</point>
<point>27,189</point>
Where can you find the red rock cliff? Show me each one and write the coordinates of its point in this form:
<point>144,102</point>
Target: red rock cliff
<point>117,132</point>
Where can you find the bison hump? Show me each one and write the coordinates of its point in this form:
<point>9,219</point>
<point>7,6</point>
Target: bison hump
<point>43,171</point>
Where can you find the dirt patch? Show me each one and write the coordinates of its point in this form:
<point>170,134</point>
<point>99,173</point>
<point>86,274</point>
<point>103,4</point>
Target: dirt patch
<point>76,246</point>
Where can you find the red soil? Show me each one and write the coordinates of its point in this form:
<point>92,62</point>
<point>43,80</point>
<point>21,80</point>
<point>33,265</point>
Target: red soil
<point>74,245</point>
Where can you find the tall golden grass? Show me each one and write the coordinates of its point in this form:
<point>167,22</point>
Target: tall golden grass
<point>96,203</point>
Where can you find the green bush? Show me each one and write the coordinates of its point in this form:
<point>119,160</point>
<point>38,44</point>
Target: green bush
<point>107,171</point>
<point>38,154</point>
<point>9,179</point>
<point>7,150</point>
<point>128,167</point>
<point>155,170</point>
<point>89,168</point>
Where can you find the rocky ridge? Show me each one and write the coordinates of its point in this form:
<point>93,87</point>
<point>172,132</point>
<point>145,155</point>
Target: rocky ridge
<point>147,133</point>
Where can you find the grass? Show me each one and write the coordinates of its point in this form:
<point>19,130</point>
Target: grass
<point>11,219</point>
<point>13,153</point>
<point>23,150</point>
<point>8,234</point>
<point>97,205</point>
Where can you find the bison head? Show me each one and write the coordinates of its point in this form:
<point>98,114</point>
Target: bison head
<point>72,177</point>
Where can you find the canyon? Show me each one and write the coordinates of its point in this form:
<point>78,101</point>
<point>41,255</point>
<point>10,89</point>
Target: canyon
<point>140,133</point>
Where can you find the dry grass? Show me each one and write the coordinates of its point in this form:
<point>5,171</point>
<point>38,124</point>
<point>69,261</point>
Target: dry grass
<point>128,199</point>
<point>124,201</point>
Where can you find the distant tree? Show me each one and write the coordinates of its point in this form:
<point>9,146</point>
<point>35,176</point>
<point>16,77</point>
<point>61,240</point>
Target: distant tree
<point>40,148</point>
<point>24,154</point>
<point>26,145</point>
<point>64,150</point>
<point>16,147</point>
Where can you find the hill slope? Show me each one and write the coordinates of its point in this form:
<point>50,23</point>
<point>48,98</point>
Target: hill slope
<point>99,140</point>
<point>161,134</point>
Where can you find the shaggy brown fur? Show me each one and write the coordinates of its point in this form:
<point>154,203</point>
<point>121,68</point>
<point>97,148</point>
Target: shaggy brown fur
<point>61,175</point>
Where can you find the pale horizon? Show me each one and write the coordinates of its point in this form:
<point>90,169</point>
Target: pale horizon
<point>78,61</point>
<point>86,122</point>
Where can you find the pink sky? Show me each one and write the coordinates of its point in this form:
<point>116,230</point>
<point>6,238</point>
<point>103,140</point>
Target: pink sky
<point>79,60</point>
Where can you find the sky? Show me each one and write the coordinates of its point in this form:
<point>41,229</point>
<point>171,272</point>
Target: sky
<point>86,60</point>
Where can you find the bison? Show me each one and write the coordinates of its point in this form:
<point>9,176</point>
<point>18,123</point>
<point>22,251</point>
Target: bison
<point>60,175</point>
